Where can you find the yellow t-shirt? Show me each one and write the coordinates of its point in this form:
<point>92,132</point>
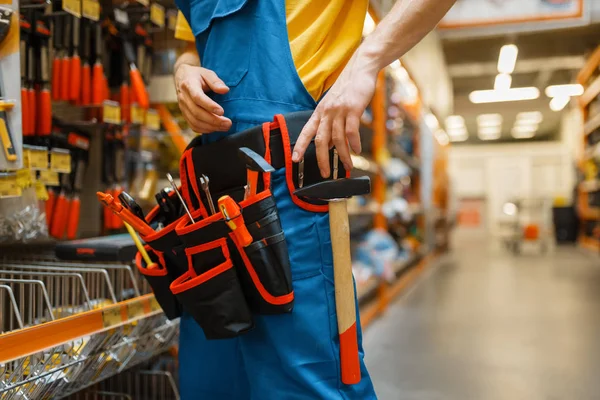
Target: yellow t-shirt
<point>323,36</point>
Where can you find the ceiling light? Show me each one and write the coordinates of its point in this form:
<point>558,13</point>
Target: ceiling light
<point>523,132</point>
<point>454,121</point>
<point>533,117</point>
<point>559,102</point>
<point>490,136</point>
<point>489,130</point>
<point>369,25</point>
<point>564,90</point>
<point>507,59</point>
<point>495,96</point>
<point>524,128</point>
<point>489,120</point>
<point>502,82</point>
<point>459,138</point>
<point>458,134</point>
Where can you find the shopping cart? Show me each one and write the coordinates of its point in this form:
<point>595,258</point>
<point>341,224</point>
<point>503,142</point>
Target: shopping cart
<point>528,221</point>
<point>65,326</point>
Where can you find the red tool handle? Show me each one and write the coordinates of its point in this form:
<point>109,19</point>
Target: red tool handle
<point>97,84</point>
<point>59,216</point>
<point>75,86</point>
<point>116,223</point>
<point>50,203</point>
<point>125,100</point>
<point>45,113</point>
<point>232,213</point>
<point>137,84</point>
<point>65,78</point>
<point>56,78</point>
<point>32,109</point>
<point>25,118</point>
<point>73,223</point>
<point>86,85</point>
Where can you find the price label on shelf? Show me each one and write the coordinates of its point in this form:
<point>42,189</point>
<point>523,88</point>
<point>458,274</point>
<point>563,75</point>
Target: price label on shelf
<point>157,15</point>
<point>91,10</point>
<point>73,7</point>
<point>112,316</point>
<point>138,114</point>
<point>9,186</point>
<point>37,158</point>
<point>111,112</point>
<point>135,309</point>
<point>60,161</point>
<point>49,178</point>
<point>24,178</point>
<point>154,306</point>
<point>172,20</point>
<point>152,120</point>
<point>40,191</point>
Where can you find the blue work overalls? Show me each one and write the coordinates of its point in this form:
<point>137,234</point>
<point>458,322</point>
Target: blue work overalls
<point>290,356</point>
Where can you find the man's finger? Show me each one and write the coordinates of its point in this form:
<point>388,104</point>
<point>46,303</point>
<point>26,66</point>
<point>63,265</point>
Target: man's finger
<point>339,141</point>
<point>220,123</point>
<point>353,132</point>
<point>213,82</point>
<point>322,143</point>
<point>308,133</point>
<point>200,98</point>
<point>195,123</point>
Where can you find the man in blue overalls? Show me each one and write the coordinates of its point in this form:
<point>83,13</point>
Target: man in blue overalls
<point>267,57</point>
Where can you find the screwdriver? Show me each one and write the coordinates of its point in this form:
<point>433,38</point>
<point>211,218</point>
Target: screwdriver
<point>65,66</point>
<point>126,216</point>
<point>98,70</point>
<point>45,101</point>
<point>31,98</point>
<point>170,178</point>
<point>56,62</point>
<point>137,83</point>
<point>25,119</point>
<point>75,68</point>
<point>86,73</point>
<point>75,202</point>
<point>124,95</point>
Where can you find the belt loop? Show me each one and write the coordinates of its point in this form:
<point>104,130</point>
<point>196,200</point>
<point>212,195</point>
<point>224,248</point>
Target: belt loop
<point>266,128</point>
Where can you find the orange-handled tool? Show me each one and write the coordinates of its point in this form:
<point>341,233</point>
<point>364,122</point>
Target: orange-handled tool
<point>65,66</point>
<point>25,119</point>
<point>60,213</point>
<point>98,95</point>
<point>135,76</point>
<point>31,97</point>
<point>75,67</point>
<point>232,213</point>
<point>127,216</point>
<point>50,203</point>
<point>73,218</point>
<point>45,100</point>
<point>56,62</point>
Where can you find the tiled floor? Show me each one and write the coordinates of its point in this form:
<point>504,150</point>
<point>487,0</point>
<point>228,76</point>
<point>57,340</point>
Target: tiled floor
<point>482,324</point>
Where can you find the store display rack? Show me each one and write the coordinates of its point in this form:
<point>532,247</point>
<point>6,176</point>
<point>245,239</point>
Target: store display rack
<point>588,203</point>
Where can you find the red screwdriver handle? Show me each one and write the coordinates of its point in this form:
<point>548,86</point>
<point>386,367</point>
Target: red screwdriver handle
<point>75,71</point>
<point>56,77</point>
<point>74,213</point>
<point>137,84</point>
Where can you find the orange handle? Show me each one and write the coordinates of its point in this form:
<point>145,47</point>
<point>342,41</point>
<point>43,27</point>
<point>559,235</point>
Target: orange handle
<point>56,76</point>
<point>252,177</point>
<point>124,99</point>
<point>32,109</point>
<point>107,216</point>
<point>25,119</point>
<point>45,113</point>
<point>73,223</point>
<point>75,86</point>
<point>97,83</point>
<point>50,203</point>
<point>117,223</point>
<point>234,219</point>
<point>65,78</point>
<point>105,90</point>
<point>137,84</point>
<point>59,217</point>
<point>86,83</point>
<point>111,204</point>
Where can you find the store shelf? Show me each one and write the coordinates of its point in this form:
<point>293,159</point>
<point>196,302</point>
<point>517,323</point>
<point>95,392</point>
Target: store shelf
<point>592,125</point>
<point>589,243</point>
<point>397,151</point>
<point>590,66</point>
<point>589,186</point>
<point>367,289</point>
<point>590,93</point>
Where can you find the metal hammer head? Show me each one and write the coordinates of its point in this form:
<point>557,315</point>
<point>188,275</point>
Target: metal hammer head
<point>254,161</point>
<point>336,189</point>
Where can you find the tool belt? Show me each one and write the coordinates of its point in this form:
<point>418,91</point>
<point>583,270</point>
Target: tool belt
<point>204,267</point>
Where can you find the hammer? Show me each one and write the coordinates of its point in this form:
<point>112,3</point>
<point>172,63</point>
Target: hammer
<point>336,192</point>
<point>255,163</point>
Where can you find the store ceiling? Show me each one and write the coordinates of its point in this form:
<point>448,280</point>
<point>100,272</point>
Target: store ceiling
<point>545,58</point>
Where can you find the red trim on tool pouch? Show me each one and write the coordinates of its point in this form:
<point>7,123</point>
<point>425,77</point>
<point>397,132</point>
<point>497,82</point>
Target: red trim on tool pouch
<point>268,297</point>
<point>167,229</point>
<point>150,216</point>
<point>256,198</point>
<point>180,285</point>
<point>183,227</point>
<point>287,151</point>
<point>266,128</point>
<point>190,251</point>
<point>161,271</point>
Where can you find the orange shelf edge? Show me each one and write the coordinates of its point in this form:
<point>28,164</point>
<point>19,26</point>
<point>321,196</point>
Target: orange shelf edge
<point>588,69</point>
<point>591,92</point>
<point>30,340</point>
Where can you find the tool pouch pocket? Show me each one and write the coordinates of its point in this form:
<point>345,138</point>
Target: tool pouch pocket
<point>160,280</point>
<point>265,263</point>
<point>211,292</point>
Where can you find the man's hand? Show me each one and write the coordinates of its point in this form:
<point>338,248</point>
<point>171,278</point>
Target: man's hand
<point>200,111</point>
<point>336,120</point>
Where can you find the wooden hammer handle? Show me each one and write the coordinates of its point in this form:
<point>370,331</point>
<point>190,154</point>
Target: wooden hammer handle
<point>345,304</point>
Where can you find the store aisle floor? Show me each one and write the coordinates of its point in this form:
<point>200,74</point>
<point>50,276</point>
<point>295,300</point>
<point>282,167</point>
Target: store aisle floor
<point>481,324</point>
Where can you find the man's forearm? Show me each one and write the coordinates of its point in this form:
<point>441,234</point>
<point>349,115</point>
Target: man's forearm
<point>402,28</point>
<point>188,57</point>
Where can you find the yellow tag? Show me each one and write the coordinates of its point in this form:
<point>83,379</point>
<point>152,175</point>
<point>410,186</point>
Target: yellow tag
<point>25,158</point>
<point>9,186</point>
<point>152,120</point>
<point>49,178</point>
<point>24,178</point>
<point>138,114</point>
<point>91,9</point>
<point>157,15</point>
<point>135,309</point>
<point>73,7</point>
<point>144,2</point>
<point>172,21</point>
<point>40,191</point>
<point>112,316</point>
<point>38,159</point>
<point>111,112</point>
<point>60,162</point>
<point>154,306</point>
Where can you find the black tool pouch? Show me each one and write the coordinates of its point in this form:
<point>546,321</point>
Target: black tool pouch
<point>160,280</point>
<point>210,290</point>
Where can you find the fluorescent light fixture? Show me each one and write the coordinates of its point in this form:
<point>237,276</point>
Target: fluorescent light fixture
<point>496,96</point>
<point>490,136</point>
<point>369,25</point>
<point>458,134</point>
<point>484,120</point>
<point>459,138</point>
<point>564,90</point>
<point>524,128</point>
<point>502,82</point>
<point>507,59</point>
<point>529,117</point>
<point>523,132</point>
<point>455,121</point>
<point>559,102</point>
<point>442,137</point>
<point>489,130</point>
